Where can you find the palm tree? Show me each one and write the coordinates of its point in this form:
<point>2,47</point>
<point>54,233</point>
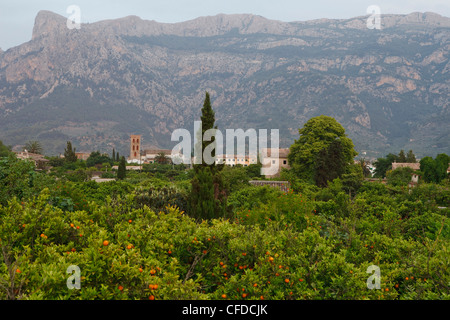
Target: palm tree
<point>33,147</point>
<point>161,158</point>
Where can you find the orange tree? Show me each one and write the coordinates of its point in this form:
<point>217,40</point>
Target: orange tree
<point>289,247</point>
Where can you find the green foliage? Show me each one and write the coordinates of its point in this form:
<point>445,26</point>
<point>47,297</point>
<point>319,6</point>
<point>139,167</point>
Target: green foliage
<point>435,170</point>
<point>400,176</point>
<point>122,170</point>
<point>293,245</point>
<point>208,196</point>
<point>316,137</point>
<point>69,153</point>
<point>96,158</point>
<point>33,147</point>
<point>5,151</point>
<point>234,178</point>
<point>17,178</point>
<point>382,165</point>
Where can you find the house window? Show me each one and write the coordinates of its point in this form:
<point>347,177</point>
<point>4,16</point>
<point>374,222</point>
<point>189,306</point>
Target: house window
<point>133,148</point>
<point>137,141</point>
<point>284,162</point>
<point>135,154</point>
<point>273,161</point>
<point>133,140</point>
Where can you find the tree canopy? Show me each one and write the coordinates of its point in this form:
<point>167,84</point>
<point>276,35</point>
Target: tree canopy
<point>322,151</point>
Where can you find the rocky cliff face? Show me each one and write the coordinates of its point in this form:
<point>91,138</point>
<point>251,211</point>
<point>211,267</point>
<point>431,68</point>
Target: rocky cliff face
<point>98,84</point>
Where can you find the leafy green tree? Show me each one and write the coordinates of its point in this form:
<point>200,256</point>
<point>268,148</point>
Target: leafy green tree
<point>4,150</point>
<point>400,176</point>
<point>234,178</point>
<point>435,170</point>
<point>69,153</point>
<point>208,196</point>
<point>96,158</point>
<point>33,147</point>
<point>382,165</point>
<point>56,161</point>
<point>428,168</point>
<point>442,163</point>
<point>316,135</point>
<point>122,170</point>
<point>17,177</point>
<point>352,179</point>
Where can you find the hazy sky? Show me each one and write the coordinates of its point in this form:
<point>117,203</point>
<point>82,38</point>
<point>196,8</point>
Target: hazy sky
<point>17,16</point>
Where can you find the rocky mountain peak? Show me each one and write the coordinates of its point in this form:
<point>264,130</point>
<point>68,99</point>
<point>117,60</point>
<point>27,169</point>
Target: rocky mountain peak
<point>47,23</point>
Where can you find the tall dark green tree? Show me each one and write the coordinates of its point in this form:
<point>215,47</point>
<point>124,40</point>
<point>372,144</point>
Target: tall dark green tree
<point>402,156</point>
<point>69,153</point>
<point>117,156</point>
<point>113,157</point>
<point>122,170</point>
<point>435,170</point>
<point>329,164</point>
<point>410,157</point>
<point>207,199</point>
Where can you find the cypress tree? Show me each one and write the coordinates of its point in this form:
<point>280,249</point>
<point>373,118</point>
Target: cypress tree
<point>208,198</point>
<point>113,155</point>
<point>69,153</point>
<point>122,170</point>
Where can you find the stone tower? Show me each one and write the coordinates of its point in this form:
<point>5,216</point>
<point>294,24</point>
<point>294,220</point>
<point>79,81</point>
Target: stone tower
<point>135,147</point>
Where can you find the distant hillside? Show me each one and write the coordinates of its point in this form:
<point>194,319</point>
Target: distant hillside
<point>97,85</point>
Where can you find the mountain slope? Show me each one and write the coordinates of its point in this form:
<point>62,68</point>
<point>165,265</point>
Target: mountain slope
<point>96,85</point>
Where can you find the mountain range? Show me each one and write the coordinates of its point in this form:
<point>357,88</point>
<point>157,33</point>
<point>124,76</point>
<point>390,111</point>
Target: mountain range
<point>98,84</point>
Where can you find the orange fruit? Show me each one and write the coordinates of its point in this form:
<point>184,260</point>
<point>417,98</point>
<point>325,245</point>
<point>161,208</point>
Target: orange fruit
<point>120,288</point>
<point>72,225</point>
<point>221,263</point>
<point>224,296</point>
<point>153,271</point>
<point>129,247</point>
<point>152,297</point>
<point>286,280</point>
<point>244,295</point>
<point>271,259</point>
<point>18,271</point>
<point>78,227</point>
<point>140,270</point>
<point>255,285</point>
<point>129,221</point>
<point>406,278</point>
<point>244,254</point>
<point>105,243</point>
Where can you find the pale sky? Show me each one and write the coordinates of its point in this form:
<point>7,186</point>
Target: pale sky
<point>17,16</point>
